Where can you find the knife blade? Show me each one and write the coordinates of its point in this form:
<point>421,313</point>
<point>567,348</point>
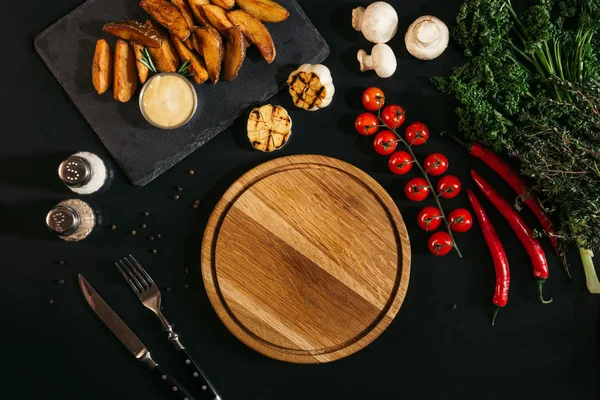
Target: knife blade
<point>128,338</point>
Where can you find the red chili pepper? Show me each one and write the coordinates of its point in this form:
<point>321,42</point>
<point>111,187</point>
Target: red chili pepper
<point>498,255</point>
<point>524,233</point>
<point>515,181</point>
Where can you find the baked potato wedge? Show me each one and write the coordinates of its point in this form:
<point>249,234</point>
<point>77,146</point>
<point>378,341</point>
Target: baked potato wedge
<point>226,4</point>
<point>196,7</point>
<point>133,31</point>
<point>217,17</point>
<point>142,70</point>
<point>188,15</point>
<point>102,67</point>
<point>255,32</point>
<point>165,58</point>
<point>211,48</point>
<point>196,67</point>
<point>235,53</point>
<point>125,73</point>
<point>168,15</point>
<point>264,10</point>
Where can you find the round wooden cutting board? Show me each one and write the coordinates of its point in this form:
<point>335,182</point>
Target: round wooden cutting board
<point>306,259</point>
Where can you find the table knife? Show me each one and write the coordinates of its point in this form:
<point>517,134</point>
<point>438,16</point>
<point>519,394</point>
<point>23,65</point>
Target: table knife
<point>129,339</point>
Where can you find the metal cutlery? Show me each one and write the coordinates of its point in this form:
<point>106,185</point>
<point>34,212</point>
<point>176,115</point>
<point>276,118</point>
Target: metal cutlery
<point>129,339</point>
<point>149,294</point>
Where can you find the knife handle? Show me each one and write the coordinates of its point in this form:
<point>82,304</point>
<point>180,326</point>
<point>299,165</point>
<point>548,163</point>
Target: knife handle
<point>172,385</point>
<point>208,391</point>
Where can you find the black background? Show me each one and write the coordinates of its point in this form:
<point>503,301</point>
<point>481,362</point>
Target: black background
<point>62,351</point>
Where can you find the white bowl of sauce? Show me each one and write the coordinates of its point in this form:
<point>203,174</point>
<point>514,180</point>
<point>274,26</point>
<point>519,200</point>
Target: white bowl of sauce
<point>168,100</point>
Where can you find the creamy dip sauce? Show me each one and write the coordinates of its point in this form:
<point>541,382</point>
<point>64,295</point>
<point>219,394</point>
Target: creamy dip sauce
<point>168,100</point>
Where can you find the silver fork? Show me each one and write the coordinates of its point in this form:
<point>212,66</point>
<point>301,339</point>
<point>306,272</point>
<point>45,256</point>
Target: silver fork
<point>147,291</point>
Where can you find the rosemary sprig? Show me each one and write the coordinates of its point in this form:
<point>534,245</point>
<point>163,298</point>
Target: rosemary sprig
<point>147,61</point>
<point>184,69</point>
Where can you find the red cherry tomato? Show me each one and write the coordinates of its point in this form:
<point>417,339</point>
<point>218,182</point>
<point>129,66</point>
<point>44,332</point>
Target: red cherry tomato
<point>373,98</point>
<point>393,116</point>
<point>440,243</point>
<point>448,187</point>
<point>366,124</point>
<point>436,164</point>
<point>400,162</point>
<point>385,143</point>
<point>417,189</point>
<point>429,219</point>
<point>460,220</point>
<point>416,133</point>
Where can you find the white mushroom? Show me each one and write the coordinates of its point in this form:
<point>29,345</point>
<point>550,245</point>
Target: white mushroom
<point>382,60</point>
<point>378,22</point>
<point>427,37</point>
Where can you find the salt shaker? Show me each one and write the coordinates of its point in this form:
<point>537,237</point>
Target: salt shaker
<point>83,172</point>
<point>71,220</point>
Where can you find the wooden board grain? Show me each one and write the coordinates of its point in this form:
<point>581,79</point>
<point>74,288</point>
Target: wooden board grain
<point>306,259</point>
<point>142,151</point>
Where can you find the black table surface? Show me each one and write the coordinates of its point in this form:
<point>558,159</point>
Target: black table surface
<point>62,351</point>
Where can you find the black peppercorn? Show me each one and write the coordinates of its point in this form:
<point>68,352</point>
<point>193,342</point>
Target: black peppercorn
<point>187,270</point>
<point>179,188</point>
<point>186,286</point>
<point>146,213</point>
<point>113,227</point>
<point>196,201</point>
<point>158,235</point>
<point>168,288</point>
<point>151,237</point>
<point>61,262</point>
<point>192,172</point>
<point>154,251</point>
<point>134,232</point>
<point>144,226</point>
<point>195,206</point>
<point>454,306</point>
<point>51,301</point>
<point>175,197</point>
<point>61,281</point>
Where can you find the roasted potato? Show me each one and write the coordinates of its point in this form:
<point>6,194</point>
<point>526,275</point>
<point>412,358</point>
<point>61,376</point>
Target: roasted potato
<point>102,67</point>
<point>165,58</point>
<point>197,67</point>
<point>264,10</point>
<point>187,13</point>
<point>168,15</point>
<point>211,48</point>
<point>217,17</point>
<point>125,74</point>
<point>196,7</point>
<point>133,31</point>
<point>226,4</point>
<point>255,32</point>
<point>235,53</point>
<point>142,70</point>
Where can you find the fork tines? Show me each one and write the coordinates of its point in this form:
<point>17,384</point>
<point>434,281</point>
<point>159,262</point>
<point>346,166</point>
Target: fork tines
<point>134,274</point>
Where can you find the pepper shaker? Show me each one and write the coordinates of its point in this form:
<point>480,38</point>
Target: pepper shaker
<point>71,220</point>
<point>83,173</point>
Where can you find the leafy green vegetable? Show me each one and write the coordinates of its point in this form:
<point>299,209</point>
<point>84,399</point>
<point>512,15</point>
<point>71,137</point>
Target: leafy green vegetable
<point>531,86</point>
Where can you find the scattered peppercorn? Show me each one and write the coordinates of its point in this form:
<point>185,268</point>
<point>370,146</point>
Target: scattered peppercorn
<point>179,188</point>
<point>61,262</point>
<point>146,213</point>
<point>186,286</point>
<point>454,306</point>
<point>151,237</point>
<point>187,270</point>
<point>144,226</point>
<point>196,201</point>
<point>113,227</point>
<point>192,172</point>
<point>175,197</point>
<point>195,206</point>
<point>154,251</point>
<point>168,288</point>
<point>158,235</point>
<point>51,301</point>
<point>61,281</point>
<point>134,232</point>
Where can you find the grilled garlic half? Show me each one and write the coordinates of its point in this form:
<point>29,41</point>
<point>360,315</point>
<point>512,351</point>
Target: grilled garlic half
<point>311,86</point>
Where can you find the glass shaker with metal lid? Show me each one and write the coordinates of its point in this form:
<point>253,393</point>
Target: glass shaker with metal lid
<point>71,220</point>
<point>83,173</point>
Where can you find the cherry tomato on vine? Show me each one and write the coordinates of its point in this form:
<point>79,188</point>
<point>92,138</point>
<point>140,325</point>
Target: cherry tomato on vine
<point>429,219</point>
<point>393,116</point>
<point>460,220</point>
<point>373,98</point>
<point>385,143</point>
<point>400,162</point>
<point>417,189</point>
<point>449,187</point>
<point>436,164</point>
<point>416,133</point>
<point>440,243</point>
<point>366,124</point>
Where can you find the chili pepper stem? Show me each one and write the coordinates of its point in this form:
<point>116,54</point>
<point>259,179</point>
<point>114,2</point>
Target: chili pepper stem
<point>495,314</point>
<point>435,195</point>
<point>540,285</point>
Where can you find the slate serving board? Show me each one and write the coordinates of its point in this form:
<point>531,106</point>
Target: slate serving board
<point>145,152</point>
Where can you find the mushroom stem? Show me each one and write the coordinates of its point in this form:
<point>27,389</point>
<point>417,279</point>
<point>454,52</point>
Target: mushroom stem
<point>357,16</point>
<point>365,61</point>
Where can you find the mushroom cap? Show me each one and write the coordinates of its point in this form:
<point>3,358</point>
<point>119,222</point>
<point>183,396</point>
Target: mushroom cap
<point>378,22</point>
<point>427,37</point>
<point>384,60</point>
